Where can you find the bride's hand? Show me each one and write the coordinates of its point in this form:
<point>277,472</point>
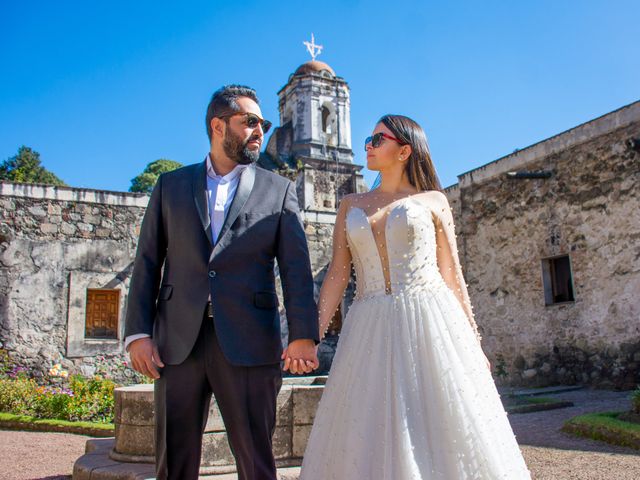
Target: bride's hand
<point>300,356</point>
<point>298,365</point>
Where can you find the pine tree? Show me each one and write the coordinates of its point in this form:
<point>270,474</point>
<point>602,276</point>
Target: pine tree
<point>25,167</point>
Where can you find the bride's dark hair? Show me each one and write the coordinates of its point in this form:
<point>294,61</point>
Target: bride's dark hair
<point>419,168</point>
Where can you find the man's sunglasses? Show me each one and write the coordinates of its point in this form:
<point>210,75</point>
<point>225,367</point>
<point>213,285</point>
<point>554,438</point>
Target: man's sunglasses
<point>376,140</point>
<point>251,120</point>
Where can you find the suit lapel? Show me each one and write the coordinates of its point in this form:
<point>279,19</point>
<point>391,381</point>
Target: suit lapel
<point>245,185</point>
<point>201,198</point>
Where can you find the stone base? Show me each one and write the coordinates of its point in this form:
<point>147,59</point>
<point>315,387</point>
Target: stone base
<point>97,464</point>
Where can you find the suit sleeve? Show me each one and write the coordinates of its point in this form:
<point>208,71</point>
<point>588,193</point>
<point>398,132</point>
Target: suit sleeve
<point>295,272</point>
<point>147,268</point>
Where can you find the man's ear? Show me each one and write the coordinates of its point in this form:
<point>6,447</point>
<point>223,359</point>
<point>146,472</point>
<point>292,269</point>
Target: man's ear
<point>218,127</point>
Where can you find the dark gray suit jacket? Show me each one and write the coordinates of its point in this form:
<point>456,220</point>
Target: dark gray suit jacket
<point>177,266</point>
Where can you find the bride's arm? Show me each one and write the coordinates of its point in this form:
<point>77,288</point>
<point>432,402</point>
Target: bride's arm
<point>448,260</point>
<point>337,277</point>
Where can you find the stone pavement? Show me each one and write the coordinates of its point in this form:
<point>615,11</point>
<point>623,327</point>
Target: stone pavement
<point>554,455</point>
<point>549,453</point>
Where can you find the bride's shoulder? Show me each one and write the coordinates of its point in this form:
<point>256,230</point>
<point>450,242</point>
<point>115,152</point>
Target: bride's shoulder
<point>433,199</point>
<point>352,199</point>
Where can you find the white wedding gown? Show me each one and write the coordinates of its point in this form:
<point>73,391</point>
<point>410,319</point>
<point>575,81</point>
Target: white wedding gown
<point>409,395</point>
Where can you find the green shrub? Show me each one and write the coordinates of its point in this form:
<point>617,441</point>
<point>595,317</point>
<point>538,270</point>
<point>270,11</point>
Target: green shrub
<point>18,395</point>
<point>5,363</point>
<point>92,399</point>
<point>60,396</point>
<point>635,400</point>
<point>85,399</point>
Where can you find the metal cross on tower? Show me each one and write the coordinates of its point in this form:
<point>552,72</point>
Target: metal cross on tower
<point>313,49</point>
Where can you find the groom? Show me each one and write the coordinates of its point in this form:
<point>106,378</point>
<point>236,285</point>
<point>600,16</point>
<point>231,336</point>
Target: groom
<point>202,313</point>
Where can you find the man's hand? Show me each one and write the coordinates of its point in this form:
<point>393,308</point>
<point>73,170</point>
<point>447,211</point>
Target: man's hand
<point>145,357</point>
<point>301,356</point>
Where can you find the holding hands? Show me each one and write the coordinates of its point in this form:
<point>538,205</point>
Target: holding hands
<point>301,356</point>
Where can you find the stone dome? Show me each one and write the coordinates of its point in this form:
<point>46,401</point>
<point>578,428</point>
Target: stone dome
<point>314,66</point>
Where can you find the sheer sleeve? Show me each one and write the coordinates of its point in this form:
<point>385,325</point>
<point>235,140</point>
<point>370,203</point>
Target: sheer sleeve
<point>448,260</point>
<point>338,273</point>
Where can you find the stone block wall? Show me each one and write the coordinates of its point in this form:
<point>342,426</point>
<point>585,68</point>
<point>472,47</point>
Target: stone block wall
<point>55,242</point>
<point>588,209</point>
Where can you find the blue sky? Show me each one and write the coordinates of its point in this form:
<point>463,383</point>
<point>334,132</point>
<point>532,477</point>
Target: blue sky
<point>101,90</point>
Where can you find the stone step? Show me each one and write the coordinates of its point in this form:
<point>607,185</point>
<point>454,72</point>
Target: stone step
<point>289,473</point>
<point>96,465</point>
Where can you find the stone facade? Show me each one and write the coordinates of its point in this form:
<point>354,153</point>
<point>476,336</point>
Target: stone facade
<point>55,243</point>
<point>589,209</point>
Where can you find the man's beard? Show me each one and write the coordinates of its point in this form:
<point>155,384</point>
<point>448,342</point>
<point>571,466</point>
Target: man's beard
<point>237,150</point>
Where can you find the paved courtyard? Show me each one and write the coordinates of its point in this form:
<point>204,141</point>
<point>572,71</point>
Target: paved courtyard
<point>549,453</point>
<point>555,455</point>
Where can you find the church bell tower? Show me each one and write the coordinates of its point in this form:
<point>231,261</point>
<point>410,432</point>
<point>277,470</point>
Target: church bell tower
<point>312,144</point>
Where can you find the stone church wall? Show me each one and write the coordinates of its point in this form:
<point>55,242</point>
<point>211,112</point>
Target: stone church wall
<point>56,242</point>
<point>588,209</point>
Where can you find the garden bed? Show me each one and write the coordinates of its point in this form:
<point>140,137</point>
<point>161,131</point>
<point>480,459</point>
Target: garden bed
<point>60,401</point>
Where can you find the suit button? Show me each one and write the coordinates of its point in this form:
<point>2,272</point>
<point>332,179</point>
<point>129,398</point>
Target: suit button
<point>212,273</point>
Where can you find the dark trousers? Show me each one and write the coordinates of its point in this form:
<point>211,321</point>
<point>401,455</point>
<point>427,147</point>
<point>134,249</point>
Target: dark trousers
<point>246,398</point>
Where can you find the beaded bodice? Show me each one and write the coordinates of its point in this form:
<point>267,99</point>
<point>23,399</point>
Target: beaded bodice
<point>397,256</point>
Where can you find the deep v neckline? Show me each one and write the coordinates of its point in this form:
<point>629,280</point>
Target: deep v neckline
<point>381,264</point>
<point>372,236</point>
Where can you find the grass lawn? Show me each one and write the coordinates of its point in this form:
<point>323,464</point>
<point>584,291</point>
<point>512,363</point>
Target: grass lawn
<point>23,422</point>
<point>605,426</point>
<point>531,403</point>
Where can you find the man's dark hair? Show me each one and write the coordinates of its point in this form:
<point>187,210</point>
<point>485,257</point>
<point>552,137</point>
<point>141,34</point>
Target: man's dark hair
<point>224,102</point>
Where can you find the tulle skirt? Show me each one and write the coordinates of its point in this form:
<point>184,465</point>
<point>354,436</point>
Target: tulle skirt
<point>409,396</point>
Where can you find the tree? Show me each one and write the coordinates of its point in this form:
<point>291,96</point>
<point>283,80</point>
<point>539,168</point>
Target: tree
<point>25,168</point>
<point>145,182</point>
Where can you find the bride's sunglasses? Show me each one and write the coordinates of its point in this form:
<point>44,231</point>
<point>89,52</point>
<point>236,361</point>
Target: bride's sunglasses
<point>376,140</point>
<point>251,120</point>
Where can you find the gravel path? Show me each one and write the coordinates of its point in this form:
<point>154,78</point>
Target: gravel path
<point>38,455</point>
<point>549,453</point>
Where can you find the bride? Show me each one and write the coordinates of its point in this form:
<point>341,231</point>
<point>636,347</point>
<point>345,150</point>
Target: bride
<point>410,393</point>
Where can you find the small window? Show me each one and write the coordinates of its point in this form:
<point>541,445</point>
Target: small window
<point>103,307</point>
<point>558,280</point>
<point>325,119</point>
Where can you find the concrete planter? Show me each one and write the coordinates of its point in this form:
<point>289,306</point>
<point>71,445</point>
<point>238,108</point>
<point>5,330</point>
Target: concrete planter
<point>134,429</point>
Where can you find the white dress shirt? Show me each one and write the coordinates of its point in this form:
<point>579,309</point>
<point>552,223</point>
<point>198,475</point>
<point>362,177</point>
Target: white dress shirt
<point>221,189</point>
